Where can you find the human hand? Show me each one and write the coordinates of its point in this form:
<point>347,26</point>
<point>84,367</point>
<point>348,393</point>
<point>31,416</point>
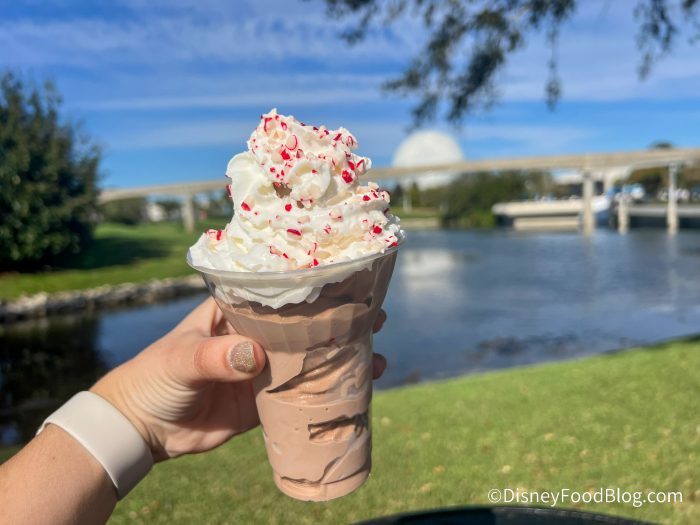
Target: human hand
<point>191,390</point>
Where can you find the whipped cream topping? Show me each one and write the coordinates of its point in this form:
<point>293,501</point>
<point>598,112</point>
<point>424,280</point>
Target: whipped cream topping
<point>298,203</point>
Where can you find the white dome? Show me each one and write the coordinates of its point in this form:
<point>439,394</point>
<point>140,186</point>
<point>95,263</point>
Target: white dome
<point>424,148</point>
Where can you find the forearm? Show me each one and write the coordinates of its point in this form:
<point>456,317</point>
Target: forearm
<point>54,480</point>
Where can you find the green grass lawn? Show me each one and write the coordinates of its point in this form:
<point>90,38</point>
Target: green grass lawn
<point>629,420</point>
<point>415,213</point>
<point>118,254</point>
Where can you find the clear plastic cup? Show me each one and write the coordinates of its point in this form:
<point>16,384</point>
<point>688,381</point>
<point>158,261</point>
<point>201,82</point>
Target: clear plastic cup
<point>313,396</point>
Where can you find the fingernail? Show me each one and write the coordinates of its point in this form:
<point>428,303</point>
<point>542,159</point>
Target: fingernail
<point>242,357</point>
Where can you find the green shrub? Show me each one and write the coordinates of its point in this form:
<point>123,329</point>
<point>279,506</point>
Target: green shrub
<point>48,176</point>
<point>125,211</point>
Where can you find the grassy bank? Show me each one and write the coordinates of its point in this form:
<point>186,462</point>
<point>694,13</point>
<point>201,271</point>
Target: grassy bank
<point>118,254</point>
<point>416,213</point>
<point>627,420</point>
<point>123,253</point>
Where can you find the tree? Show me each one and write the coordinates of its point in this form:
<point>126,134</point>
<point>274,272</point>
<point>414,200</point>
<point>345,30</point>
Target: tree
<point>540,184</point>
<point>48,176</point>
<point>471,196</point>
<point>414,195</point>
<point>220,204</point>
<point>654,179</point>
<point>171,207</point>
<point>469,43</point>
<point>397,195</point>
<point>435,197</point>
<point>125,211</point>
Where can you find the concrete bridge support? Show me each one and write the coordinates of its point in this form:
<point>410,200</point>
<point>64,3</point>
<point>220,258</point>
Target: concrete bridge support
<point>188,212</point>
<point>672,214</point>
<point>623,215</point>
<point>588,216</point>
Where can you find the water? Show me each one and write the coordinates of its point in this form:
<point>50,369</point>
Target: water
<point>459,302</point>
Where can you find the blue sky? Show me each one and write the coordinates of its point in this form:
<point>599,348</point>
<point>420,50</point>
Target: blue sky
<point>172,88</point>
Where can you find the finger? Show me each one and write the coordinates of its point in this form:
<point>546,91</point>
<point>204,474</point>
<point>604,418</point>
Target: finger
<point>227,358</point>
<point>381,317</point>
<point>223,327</point>
<point>204,317</point>
<point>378,365</point>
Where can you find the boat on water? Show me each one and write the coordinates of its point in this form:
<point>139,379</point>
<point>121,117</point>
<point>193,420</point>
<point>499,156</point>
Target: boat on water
<point>550,214</point>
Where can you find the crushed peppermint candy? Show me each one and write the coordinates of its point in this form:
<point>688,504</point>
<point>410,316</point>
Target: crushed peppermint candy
<point>295,177</point>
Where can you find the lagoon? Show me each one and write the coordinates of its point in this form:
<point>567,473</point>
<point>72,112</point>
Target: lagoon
<point>460,302</point>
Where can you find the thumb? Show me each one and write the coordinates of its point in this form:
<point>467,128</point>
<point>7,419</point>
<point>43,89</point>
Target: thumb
<point>227,358</point>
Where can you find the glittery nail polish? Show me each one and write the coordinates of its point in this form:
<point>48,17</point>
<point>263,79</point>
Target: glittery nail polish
<point>242,357</point>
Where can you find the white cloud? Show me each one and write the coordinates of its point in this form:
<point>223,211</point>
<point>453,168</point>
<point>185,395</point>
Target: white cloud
<point>306,90</point>
<point>376,138</point>
<point>185,134</point>
<point>523,139</point>
<point>175,55</point>
<point>178,55</point>
<point>289,32</point>
<point>598,62</point>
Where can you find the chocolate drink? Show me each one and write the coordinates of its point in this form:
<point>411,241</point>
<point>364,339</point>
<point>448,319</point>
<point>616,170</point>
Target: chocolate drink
<point>303,267</point>
<point>313,396</point>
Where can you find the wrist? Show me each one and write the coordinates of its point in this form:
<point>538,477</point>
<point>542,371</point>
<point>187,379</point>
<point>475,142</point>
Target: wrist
<point>107,435</point>
<point>111,390</point>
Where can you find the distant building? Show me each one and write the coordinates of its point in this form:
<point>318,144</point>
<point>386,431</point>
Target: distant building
<point>155,212</point>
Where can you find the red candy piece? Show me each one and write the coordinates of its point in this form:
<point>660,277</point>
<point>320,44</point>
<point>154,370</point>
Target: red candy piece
<point>377,230</point>
<point>294,232</point>
<point>245,206</point>
<point>347,176</point>
<point>288,207</point>
<point>365,197</point>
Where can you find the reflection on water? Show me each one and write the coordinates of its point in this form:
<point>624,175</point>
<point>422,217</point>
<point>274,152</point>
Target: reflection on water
<point>459,302</point>
<point>469,301</point>
<point>41,365</point>
<point>44,363</point>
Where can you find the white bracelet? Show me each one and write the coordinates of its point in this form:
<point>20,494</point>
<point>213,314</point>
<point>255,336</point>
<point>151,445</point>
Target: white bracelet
<point>108,436</point>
